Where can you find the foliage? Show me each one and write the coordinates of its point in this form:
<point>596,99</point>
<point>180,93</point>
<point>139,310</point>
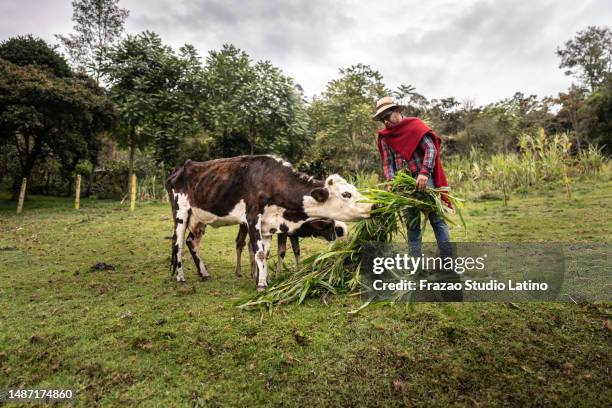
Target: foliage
<point>414,103</point>
<point>177,107</point>
<point>84,168</point>
<point>342,120</point>
<point>574,114</point>
<point>542,159</point>
<point>98,24</point>
<point>600,104</point>
<point>29,50</point>
<point>155,91</point>
<point>272,113</point>
<point>43,114</point>
<point>226,73</point>
<point>588,56</point>
<point>173,107</point>
<point>252,108</point>
<point>337,270</point>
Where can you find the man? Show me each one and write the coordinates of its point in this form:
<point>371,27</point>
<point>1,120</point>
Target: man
<point>409,144</point>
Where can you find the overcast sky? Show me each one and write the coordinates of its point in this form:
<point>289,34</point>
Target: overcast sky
<point>481,50</point>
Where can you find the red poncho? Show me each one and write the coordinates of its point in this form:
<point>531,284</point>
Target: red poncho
<point>404,139</point>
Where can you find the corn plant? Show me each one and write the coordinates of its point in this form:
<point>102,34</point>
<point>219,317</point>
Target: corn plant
<point>591,161</point>
<point>541,159</point>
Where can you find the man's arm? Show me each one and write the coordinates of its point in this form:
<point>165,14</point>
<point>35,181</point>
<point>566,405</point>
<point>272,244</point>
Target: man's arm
<point>388,159</point>
<point>429,155</point>
<point>429,158</point>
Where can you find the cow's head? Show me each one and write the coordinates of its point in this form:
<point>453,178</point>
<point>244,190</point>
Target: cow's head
<point>329,230</point>
<point>337,200</point>
<point>341,230</point>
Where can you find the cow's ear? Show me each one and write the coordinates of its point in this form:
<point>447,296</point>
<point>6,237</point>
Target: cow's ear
<point>320,194</point>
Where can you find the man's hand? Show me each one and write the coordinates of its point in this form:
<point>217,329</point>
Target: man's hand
<point>389,186</point>
<point>421,182</point>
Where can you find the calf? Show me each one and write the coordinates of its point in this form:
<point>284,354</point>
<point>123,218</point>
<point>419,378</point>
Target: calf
<point>262,192</point>
<point>323,228</point>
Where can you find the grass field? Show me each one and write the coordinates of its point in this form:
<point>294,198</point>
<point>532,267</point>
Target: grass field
<point>132,336</point>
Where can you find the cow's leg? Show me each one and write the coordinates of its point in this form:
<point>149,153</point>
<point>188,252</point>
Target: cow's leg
<point>194,238</point>
<point>261,245</point>
<point>252,264</point>
<point>295,246</point>
<point>240,240</point>
<point>183,213</point>
<point>282,250</point>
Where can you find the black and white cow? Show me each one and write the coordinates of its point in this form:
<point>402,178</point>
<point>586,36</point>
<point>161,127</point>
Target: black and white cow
<point>263,192</point>
<point>324,228</point>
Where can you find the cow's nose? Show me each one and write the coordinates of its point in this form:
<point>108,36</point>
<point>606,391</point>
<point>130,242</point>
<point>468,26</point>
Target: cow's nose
<point>377,205</point>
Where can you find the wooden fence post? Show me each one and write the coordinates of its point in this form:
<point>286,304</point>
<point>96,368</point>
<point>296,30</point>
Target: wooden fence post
<point>77,194</point>
<point>133,198</point>
<point>22,192</point>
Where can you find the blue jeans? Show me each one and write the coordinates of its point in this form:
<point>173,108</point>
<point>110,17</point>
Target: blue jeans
<point>412,216</point>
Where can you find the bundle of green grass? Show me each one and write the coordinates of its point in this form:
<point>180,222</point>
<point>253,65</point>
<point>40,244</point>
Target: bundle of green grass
<point>337,270</point>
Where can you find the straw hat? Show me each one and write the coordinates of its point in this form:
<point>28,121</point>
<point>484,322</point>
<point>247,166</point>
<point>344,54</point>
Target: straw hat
<point>385,103</point>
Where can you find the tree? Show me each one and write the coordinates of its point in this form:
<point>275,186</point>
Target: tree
<point>588,56</point>
<point>177,106</point>
<point>342,120</point>
<point>155,92</point>
<point>506,118</point>
<point>43,114</point>
<point>573,114</point>
<point>98,25</point>
<point>600,104</point>
<point>272,113</point>
<point>226,74</point>
<point>251,108</point>
<point>445,115</point>
<point>469,112</point>
<point>415,104</point>
<point>28,50</point>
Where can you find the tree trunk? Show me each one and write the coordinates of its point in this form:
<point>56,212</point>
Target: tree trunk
<point>26,170</point>
<point>15,188</point>
<point>574,121</point>
<point>70,170</point>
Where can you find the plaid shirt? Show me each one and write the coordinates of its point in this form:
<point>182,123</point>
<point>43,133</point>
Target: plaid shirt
<point>422,160</point>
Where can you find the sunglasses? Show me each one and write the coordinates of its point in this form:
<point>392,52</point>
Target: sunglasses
<point>386,115</point>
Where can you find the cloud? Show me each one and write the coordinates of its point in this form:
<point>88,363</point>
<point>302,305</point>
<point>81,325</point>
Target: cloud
<point>482,49</point>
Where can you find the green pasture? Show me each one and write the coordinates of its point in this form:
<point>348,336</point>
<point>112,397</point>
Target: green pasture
<point>132,336</point>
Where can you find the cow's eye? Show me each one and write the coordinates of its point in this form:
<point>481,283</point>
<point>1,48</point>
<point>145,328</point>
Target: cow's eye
<point>346,195</point>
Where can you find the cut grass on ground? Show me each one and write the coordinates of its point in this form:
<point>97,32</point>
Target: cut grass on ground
<point>133,336</point>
